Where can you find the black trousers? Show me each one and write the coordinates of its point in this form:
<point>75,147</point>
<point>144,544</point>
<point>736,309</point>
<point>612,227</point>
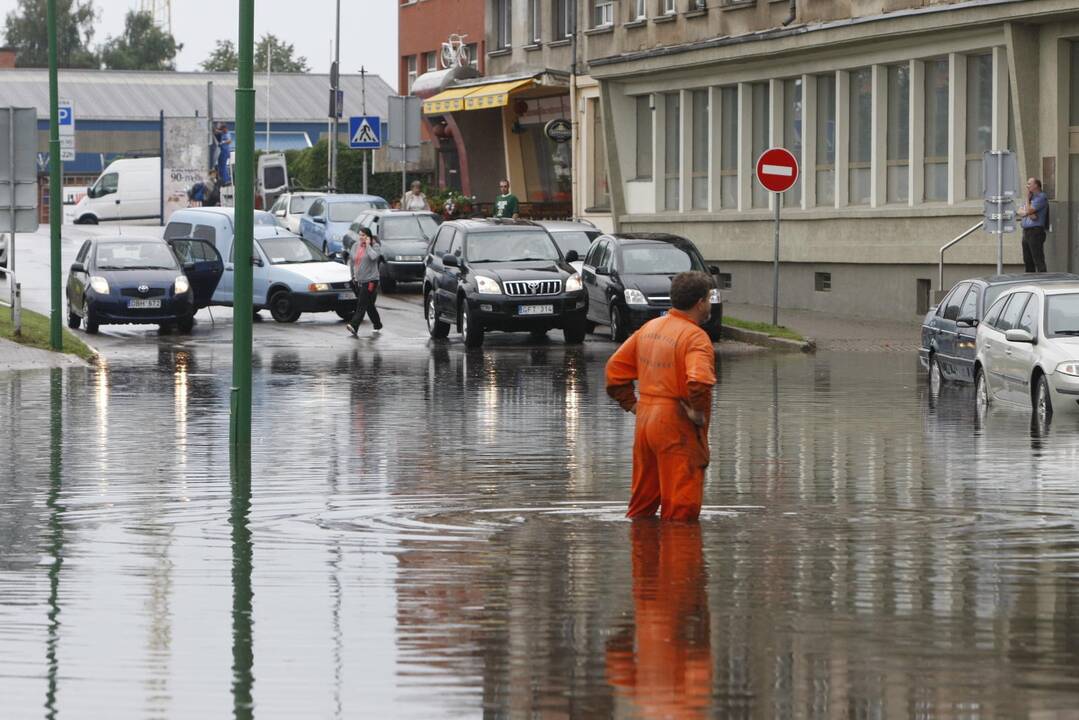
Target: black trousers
<point>1034,249</point>
<point>366,294</point>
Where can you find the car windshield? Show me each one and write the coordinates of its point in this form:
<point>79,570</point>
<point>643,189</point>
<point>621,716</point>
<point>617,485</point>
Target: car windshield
<point>1062,315</point>
<point>299,205</point>
<point>346,211</point>
<point>290,249</point>
<point>408,227</point>
<point>578,240</point>
<point>657,259</point>
<point>135,256</point>
<point>429,223</point>
<point>511,247</point>
<point>264,218</point>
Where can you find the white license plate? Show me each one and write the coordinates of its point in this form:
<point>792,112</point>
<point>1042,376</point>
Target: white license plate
<point>144,303</point>
<point>346,296</point>
<point>535,309</point>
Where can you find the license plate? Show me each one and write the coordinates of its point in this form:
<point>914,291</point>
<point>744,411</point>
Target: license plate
<point>144,303</point>
<point>346,296</point>
<point>535,309</point>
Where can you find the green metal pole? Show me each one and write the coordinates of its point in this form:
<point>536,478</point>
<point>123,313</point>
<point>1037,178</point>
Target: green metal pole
<point>244,221</point>
<point>55,192</point>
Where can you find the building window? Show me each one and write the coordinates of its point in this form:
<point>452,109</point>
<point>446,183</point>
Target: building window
<point>535,28</point>
<point>728,147</point>
<point>898,133</point>
<point>699,167</point>
<point>936,129</point>
<point>1074,86</point>
<point>672,150</point>
<point>792,130</point>
<point>822,281</point>
<point>979,119</point>
<point>860,139</point>
<point>761,124</point>
<point>726,281</point>
<point>473,55</point>
<point>429,61</point>
<point>601,197</point>
<point>410,64</point>
<point>640,10</point>
<point>604,13</point>
<point>503,17</point>
<point>666,7</point>
<point>563,18</point>
<point>644,137</point>
<point>825,140</point>
<point>698,4</point>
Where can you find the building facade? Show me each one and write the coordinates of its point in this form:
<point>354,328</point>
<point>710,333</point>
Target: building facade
<point>888,105</point>
<point>424,25</point>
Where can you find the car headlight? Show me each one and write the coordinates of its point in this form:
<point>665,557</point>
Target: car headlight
<point>635,297</point>
<point>1071,367</point>
<point>714,297</point>
<point>99,285</point>
<point>573,284</point>
<point>318,287</point>
<point>487,286</point>
<point>181,284</point>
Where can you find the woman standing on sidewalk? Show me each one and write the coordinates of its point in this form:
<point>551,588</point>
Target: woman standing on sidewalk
<point>366,254</point>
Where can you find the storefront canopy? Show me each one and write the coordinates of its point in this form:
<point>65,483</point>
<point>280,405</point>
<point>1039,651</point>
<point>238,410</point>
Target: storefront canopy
<point>475,97</point>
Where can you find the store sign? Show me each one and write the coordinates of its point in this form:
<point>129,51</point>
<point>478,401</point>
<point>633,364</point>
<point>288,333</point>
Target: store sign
<point>559,130</point>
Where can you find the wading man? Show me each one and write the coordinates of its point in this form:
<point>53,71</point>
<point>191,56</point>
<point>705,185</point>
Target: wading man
<point>674,365</point>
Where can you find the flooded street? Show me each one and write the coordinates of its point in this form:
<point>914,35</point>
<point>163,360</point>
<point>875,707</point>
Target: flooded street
<point>433,532</point>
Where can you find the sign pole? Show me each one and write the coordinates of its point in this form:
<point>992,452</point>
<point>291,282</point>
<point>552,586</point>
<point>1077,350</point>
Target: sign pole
<point>363,111</point>
<point>775,262</point>
<point>55,191</point>
<point>777,172</point>
<point>1000,214</point>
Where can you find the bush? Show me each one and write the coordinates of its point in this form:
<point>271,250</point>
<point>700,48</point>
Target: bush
<point>307,170</point>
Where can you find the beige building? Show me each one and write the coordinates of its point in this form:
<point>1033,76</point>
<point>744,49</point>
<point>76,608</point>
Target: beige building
<point>888,105</point>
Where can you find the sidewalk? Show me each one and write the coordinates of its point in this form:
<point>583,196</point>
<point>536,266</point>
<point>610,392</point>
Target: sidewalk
<point>14,356</point>
<point>834,332</point>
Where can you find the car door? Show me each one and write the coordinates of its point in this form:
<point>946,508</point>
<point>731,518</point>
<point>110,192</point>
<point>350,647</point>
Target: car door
<point>450,278</point>
<point>107,197</point>
<point>313,224</point>
<point>965,335</point>
<point>1020,356</point>
<point>202,265</point>
<point>946,329</point>
<point>590,280</point>
<point>607,284</point>
<point>77,281</point>
<point>1004,368</point>
<point>280,211</point>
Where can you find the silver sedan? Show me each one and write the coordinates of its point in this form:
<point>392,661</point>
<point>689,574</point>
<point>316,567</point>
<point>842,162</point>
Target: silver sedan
<point>1028,350</point>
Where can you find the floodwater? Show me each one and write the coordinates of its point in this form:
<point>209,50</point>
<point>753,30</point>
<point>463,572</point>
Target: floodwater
<point>427,532</point>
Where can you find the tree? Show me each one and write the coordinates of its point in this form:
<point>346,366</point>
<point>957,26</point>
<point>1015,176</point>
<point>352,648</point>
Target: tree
<point>142,46</point>
<point>222,59</point>
<point>281,56</point>
<point>26,32</point>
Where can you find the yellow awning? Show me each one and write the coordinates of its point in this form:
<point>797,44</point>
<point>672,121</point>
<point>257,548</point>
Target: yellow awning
<point>473,98</point>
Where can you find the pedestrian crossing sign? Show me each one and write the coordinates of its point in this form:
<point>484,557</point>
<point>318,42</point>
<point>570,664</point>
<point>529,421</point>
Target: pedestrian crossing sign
<point>364,132</point>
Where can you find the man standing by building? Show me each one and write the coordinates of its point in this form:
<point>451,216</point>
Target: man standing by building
<point>506,205</point>
<point>674,364</point>
<point>1035,214</point>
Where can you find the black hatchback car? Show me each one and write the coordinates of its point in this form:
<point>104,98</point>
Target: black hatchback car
<point>506,275</point>
<point>628,279</point>
<point>404,236</point>
<point>122,280</point>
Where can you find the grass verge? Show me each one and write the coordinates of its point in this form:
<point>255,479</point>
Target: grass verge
<point>770,330</point>
<point>35,333</point>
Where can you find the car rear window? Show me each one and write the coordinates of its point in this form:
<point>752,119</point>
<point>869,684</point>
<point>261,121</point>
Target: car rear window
<point>401,228</point>
<point>579,240</point>
<point>289,249</point>
<point>657,259</point>
<point>299,205</point>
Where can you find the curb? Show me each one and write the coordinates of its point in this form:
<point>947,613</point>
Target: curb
<point>765,340</point>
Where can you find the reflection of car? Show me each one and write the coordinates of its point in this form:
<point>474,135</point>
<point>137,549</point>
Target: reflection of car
<point>326,221</point>
<point>1028,349</point>
<point>503,275</point>
<point>948,330</point>
<point>572,235</point>
<point>404,236</point>
<point>290,276</point>
<point>290,207</point>
<point>628,279</point>
<point>118,280</point>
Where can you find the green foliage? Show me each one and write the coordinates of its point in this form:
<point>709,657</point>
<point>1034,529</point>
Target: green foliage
<point>36,333</point>
<point>308,169</point>
<point>222,59</point>
<point>26,31</point>
<point>142,46</point>
<point>771,330</point>
<point>283,57</point>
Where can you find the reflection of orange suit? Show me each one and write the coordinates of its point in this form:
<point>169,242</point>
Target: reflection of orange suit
<point>673,362</point>
<point>666,666</point>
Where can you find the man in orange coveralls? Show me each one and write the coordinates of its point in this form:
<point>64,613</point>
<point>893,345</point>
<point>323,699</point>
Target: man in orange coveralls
<point>674,364</point>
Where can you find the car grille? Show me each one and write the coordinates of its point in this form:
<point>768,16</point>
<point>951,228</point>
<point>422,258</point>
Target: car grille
<point>341,286</point>
<point>134,292</point>
<point>659,300</point>
<point>532,288</point>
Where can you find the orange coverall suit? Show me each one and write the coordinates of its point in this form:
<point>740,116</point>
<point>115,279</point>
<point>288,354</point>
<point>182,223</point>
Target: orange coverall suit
<point>673,362</point>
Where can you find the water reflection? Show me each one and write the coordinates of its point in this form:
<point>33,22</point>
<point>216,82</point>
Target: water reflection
<point>243,652</point>
<point>56,535</point>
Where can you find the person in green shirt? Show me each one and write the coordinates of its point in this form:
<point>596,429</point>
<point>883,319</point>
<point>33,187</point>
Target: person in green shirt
<point>505,203</point>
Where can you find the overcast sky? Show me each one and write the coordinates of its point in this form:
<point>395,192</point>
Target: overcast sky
<point>368,29</point>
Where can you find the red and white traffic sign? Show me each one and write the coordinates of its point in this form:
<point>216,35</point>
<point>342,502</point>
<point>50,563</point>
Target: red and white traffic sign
<point>777,169</point>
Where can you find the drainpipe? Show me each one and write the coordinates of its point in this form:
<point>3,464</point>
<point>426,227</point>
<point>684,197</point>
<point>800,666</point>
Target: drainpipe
<point>793,13</point>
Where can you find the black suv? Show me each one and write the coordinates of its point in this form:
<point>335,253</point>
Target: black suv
<point>506,275</point>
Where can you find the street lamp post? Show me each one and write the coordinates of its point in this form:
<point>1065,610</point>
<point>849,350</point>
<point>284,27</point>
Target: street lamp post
<point>55,337</point>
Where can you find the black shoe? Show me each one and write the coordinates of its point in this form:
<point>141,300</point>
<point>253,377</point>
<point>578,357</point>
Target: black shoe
<point>351,329</point>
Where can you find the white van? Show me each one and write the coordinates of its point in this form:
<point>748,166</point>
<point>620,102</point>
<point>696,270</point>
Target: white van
<point>127,190</point>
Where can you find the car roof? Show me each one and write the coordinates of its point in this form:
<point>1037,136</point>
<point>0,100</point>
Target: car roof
<point>353,198</point>
<point>491,224</point>
<point>382,212</point>
<point>1059,288</point>
<point>269,231</point>
<point>127,238</point>
<point>1024,278</point>
<point>215,210</point>
<point>643,238</point>
<point>562,225</point>
<point>306,193</point>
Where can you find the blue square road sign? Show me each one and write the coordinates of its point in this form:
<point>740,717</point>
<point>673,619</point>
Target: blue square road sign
<point>364,132</point>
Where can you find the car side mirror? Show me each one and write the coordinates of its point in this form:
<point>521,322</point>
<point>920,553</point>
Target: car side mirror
<point>714,269</point>
<point>602,271</point>
<point>572,256</point>
<point>967,322</point>
<point>78,267</point>
<point>451,261</point>
<point>256,261</point>
<point>1018,336</point>
<point>280,213</point>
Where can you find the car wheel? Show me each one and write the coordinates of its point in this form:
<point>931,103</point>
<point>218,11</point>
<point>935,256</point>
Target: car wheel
<point>345,313</point>
<point>618,325</point>
<point>73,320</point>
<point>936,378</point>
<point>574,331</point>
<point>470,329</point>
<point>981,391</point>
<point>91,321</point>
<point>435,327</point>
<point>1043,401</point>
<point>282,307</point>
<point>186,324</point>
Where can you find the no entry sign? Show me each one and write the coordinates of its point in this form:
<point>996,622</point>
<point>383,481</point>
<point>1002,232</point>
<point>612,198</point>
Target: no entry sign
<point>777,169</point>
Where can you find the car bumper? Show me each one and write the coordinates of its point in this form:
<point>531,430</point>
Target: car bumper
<point>1065,392</point>
<point>323,301</point>
<point>115,311</point>
<point>404,271</point>
<point>501,312</point>
<point>638,315</point>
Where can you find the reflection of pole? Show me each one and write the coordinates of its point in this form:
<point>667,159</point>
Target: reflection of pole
<point>55,339</point>
<point>56,532</point>
<point>775,263</point>
<point>244,214</point>
<point>243,650</point>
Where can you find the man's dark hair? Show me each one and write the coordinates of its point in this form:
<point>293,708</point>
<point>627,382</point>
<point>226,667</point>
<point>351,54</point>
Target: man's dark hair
<point>1037,182</point>
<point>688,288</point>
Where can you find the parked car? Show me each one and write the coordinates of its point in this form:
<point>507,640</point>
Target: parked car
<point>1028,349</point>
<point>122,280</point>
<point>572,235</point>
<point>948,331</point>
<point>129,189</point>
<point>404,236</point>
<point>326,221</point>
<point>290,276</point>
<point>3,251</point>
<point>628,280</point>
<point>506,275</point>
<point>290,207</point>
